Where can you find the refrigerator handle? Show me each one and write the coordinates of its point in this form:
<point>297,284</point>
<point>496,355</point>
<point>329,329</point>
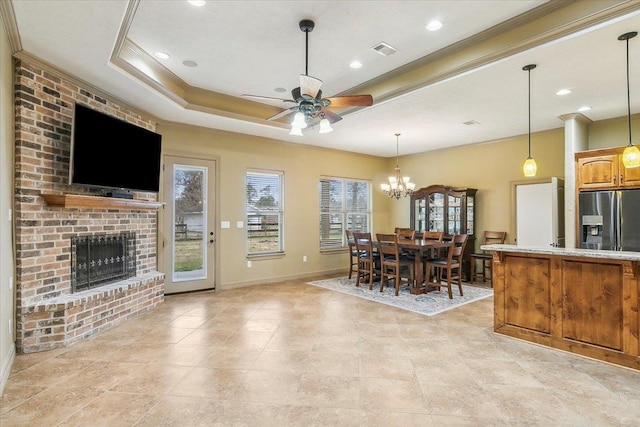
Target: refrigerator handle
<point>618,220</point>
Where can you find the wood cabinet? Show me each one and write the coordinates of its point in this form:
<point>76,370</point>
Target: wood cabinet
<point>570,299</point>
<point>447,209</point>
<point>603,169</point>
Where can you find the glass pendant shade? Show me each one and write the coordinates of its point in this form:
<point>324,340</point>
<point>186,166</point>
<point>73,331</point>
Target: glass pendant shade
<point>325,126</point>
<point>529,168</point>
<point>295,131</point>
<point>631,156</point>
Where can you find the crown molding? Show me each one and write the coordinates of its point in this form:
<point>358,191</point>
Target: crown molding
<point>8,17</point>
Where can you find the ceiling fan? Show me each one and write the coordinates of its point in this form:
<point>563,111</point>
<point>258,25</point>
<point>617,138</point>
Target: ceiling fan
<point>308,98</point>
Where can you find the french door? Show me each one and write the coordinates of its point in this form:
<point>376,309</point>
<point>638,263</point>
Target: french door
<point>189,224</point>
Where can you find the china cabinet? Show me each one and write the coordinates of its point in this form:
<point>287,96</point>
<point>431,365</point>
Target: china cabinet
<point>447,209</point>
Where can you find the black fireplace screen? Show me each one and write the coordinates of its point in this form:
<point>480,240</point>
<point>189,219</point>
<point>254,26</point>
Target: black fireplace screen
<point>101,259</point>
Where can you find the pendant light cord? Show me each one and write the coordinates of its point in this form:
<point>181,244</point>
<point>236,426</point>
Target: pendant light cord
<point>628,95</point>
<point>529,72</point>
<point>397,150</point>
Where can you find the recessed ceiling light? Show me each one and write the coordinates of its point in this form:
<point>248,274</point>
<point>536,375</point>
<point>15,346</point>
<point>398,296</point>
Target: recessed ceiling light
<point>563,92</point>
<point>161,55</point>
<point>190,63</point>
<point>280,89</point>
<point>584,108</point>
<point>197,2</point>
<point>434,25</point>
<point>355,64</point>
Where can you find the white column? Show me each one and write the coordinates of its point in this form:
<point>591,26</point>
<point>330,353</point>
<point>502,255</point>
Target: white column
<point>576,138</point>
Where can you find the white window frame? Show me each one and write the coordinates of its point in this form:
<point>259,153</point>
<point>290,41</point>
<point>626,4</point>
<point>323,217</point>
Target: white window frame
<point>250,212</point>
<point>343,213</point>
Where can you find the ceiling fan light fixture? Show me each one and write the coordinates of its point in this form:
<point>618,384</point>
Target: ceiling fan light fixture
<point>299,121</point>
<point>325,126</point>
<point>631,154</point>
<point>295,131</point>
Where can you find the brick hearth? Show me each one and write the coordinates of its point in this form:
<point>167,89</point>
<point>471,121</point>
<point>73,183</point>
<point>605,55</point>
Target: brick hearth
<point>49,315</point>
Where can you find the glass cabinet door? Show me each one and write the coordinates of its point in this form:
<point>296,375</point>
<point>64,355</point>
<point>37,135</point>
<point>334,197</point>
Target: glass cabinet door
<point>470,218</point>
<point>436,212</point>
<point>420,214</point>
<point>454,217</point>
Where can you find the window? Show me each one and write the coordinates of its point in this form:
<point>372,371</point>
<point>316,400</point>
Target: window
<point>344,204</point>
<point>265,215</point>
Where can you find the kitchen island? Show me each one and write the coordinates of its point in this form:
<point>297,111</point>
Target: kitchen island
<point>576,300</point>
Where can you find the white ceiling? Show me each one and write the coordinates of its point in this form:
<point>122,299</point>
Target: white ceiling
<point>254,47</point>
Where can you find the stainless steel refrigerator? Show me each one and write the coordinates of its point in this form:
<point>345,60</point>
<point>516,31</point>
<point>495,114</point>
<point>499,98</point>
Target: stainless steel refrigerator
<point>610,220</point>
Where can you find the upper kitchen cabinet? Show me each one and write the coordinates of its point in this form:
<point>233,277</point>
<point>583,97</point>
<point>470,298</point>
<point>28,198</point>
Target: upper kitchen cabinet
<point>603,169</point>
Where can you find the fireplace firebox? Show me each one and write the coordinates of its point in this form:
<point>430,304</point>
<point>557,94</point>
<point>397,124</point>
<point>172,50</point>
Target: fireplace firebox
<point>101,259</point>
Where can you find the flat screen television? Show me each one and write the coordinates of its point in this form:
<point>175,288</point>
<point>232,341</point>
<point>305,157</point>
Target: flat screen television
<point>110,153</point>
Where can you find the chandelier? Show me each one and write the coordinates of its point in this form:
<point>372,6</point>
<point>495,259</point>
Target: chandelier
<point>398,186</point>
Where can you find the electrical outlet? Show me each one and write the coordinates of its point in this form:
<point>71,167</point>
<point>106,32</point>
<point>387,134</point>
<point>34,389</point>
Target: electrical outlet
<point>304,258</point>
<point>248,264</point>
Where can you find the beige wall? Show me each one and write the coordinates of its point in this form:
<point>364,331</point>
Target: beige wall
<point>491,168</point>
<point>614,132</point>
<point>302,166</point>
<point>7,349</point>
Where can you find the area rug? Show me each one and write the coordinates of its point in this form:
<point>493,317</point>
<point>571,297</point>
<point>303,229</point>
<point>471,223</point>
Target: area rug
<point>428,304</point>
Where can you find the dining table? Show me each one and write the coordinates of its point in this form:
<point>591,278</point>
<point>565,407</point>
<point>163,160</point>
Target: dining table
<point>419,247</point>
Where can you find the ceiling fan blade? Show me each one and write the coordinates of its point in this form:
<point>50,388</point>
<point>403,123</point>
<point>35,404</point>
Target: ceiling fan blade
<point>295,93</point>
<point>351,101</point>
<point>331,116</point>
<point>283,113</point>
<point>267,98</point>
<point>309,85</point>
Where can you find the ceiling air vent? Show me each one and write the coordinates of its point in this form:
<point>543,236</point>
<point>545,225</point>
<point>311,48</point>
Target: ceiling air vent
<point>384,49</point>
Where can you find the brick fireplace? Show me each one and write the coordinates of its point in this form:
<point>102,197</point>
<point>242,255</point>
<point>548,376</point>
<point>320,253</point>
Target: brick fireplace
<point>49,314</point>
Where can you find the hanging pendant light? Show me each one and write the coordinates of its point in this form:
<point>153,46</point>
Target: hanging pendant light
<point>631,154</point>
<point>529,168</point>
<point>398,185</point>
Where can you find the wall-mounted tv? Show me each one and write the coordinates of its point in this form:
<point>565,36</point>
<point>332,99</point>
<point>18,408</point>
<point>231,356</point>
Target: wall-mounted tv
<point>110,153</point>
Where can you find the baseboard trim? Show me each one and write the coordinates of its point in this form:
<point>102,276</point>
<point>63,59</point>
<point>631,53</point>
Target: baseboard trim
<point>6,367</point>
<point>304,276</point>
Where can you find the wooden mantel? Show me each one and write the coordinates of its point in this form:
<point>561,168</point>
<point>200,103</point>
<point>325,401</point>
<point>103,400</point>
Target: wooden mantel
<point>576,300</point>
<point>78,201</point>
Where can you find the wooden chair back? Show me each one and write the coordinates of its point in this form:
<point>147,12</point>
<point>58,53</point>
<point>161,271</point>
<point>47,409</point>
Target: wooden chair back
<point>353,252</point>
<point>391,261</point>
<point>405,233</point>
<point>494,237</point>
<point>367,258</point>
<point>433,235</point>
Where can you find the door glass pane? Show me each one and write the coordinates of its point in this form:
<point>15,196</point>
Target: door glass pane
<point>189,235</point>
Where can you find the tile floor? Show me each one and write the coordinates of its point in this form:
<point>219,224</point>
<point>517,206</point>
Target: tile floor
<point>292,354</point>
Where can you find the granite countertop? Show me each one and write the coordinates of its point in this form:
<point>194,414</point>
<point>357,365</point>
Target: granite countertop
<point>587,253</point>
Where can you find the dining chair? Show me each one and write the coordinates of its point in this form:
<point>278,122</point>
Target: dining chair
<point>353,252</point>
<point>434,253</point>
<point>451,266</point>
<point>485,258</point>
<point>392,264</point>
<point>368,259</point>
